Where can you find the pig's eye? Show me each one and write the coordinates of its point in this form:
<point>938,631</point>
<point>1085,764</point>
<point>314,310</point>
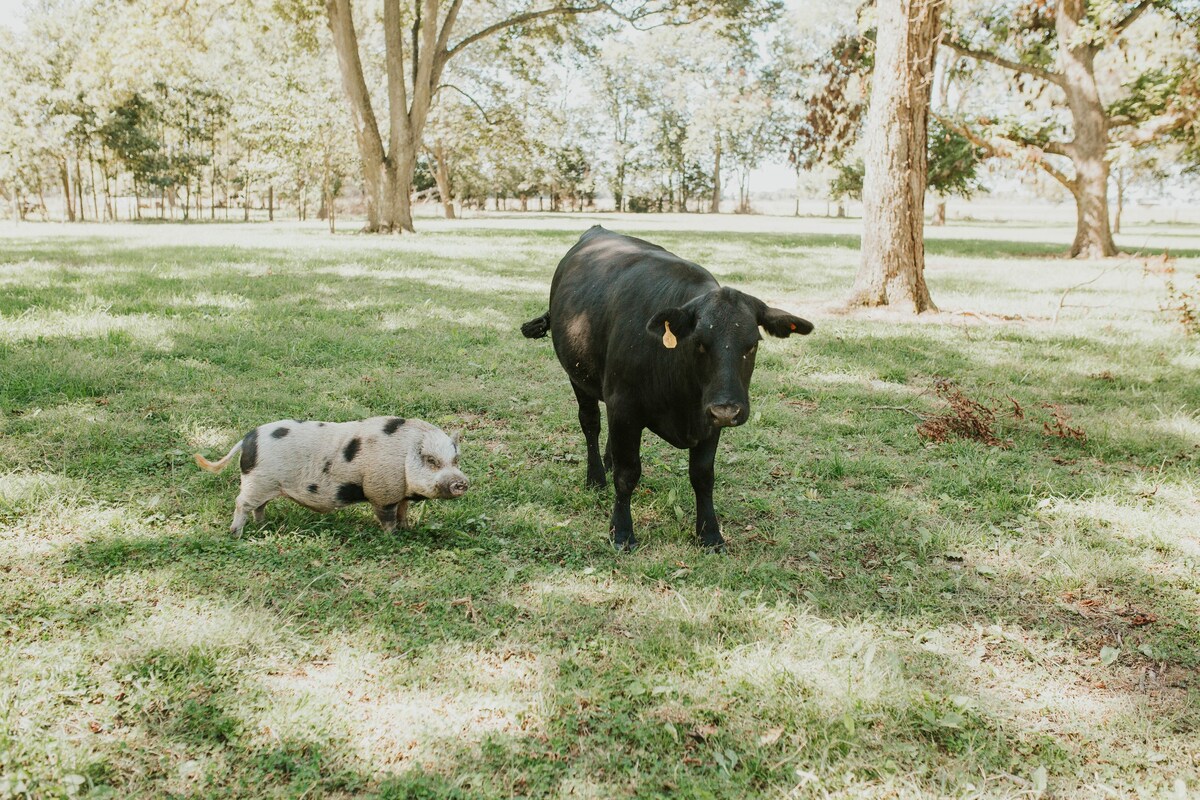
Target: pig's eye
<point>431,462</point>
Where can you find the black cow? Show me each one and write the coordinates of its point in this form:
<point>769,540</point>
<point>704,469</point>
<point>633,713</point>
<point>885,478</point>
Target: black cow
<point>666,348</point>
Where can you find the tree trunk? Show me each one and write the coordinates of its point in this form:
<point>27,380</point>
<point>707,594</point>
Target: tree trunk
<point>1120,181</point>
<point>399,191</point>
<point>441,174</point>
<point>366,129</point>
<point>68,204</point>
<point>79,189</point>
<point>939,213</point>
<point>714,207</point>
<point>1088,148</point>
<point>892,271</point>
<point>271,203</point>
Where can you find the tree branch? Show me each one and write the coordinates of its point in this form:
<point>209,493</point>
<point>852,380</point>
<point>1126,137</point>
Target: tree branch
<point>474,102</point>
<point>520,19</point>
<point>1151,129</point>
<point>981,55</point>
<point>1132,16</point>
<point>998,151</point>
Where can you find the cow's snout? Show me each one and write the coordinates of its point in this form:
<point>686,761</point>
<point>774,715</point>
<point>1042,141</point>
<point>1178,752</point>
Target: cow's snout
<point>727,415</point>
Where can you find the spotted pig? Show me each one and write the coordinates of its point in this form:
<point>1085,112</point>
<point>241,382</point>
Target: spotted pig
<point>388,462</point>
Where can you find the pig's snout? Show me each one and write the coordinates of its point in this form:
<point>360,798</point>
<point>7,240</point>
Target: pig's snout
<point>456,487</point>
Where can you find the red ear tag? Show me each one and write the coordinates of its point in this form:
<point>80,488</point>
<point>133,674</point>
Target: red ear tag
<point>669,340</point>
<point>793,325</point>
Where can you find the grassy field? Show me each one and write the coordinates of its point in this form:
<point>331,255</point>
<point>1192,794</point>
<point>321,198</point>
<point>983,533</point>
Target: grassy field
<point>895,617</point>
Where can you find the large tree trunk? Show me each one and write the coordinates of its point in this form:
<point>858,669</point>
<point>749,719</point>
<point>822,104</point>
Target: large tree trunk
<point>892,270</point>
<point>1077,55</point>
<point>366,130</point>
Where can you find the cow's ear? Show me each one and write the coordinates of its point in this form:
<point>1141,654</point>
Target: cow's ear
<point>672,325</point>
<point>780,323</point>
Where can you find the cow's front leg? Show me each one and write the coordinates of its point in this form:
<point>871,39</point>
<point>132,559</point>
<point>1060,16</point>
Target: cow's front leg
<point>626,441</point>
<point>700,470</point>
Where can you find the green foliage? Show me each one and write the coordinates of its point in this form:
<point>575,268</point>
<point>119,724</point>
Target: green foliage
<point>848,180</point>
<point>1172,93</point>
<point>953,162</point>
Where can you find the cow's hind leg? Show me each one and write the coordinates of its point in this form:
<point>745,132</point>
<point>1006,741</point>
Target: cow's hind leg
<point>627,471</point>
<point>700,470</point>
<point>589,422</point>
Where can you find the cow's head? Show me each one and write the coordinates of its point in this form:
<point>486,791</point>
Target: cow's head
<point>716,337</point>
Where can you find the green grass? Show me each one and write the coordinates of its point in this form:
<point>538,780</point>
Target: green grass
<point>894,618</point>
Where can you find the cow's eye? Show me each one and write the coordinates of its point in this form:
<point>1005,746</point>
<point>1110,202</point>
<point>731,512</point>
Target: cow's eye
<point>701,348</point>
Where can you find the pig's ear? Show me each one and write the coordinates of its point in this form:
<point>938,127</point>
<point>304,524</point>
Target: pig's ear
<point>455,438</point>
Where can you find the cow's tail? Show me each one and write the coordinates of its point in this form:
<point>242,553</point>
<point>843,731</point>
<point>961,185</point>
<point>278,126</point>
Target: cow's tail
<point>536,328</point>
<point>217,466</point>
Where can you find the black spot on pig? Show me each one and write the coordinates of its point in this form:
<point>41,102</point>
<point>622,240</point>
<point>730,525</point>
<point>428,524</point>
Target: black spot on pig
<point>350,493</point>
<point>392,425</point>
<point>325,469</point>
<point>312,487</point>
<point>351,448</point>
<point>249,451</point>
<point>279,433</point>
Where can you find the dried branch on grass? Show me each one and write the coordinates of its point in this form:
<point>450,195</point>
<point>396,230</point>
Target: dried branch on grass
<point>963,417</point>
<point>1183,305</point>
<point>1059,424</point>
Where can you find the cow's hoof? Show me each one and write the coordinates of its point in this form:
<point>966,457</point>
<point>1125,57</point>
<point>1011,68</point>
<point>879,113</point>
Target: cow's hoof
<point>625,545</point>
<point>714,548</point>
<point>599,484</point>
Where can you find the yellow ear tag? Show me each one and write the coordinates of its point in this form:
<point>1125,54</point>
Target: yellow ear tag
<point>669,340</point>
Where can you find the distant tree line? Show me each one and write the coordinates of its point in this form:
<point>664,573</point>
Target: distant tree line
<point>207,110</point>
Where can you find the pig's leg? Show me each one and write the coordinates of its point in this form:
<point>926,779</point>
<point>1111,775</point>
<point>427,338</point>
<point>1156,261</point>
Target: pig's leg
<point>250,501</point>
<point>387,516</point>
<point>402,514</point>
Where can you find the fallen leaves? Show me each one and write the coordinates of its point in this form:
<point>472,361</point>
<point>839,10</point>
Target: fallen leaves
<point>468,606</point>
